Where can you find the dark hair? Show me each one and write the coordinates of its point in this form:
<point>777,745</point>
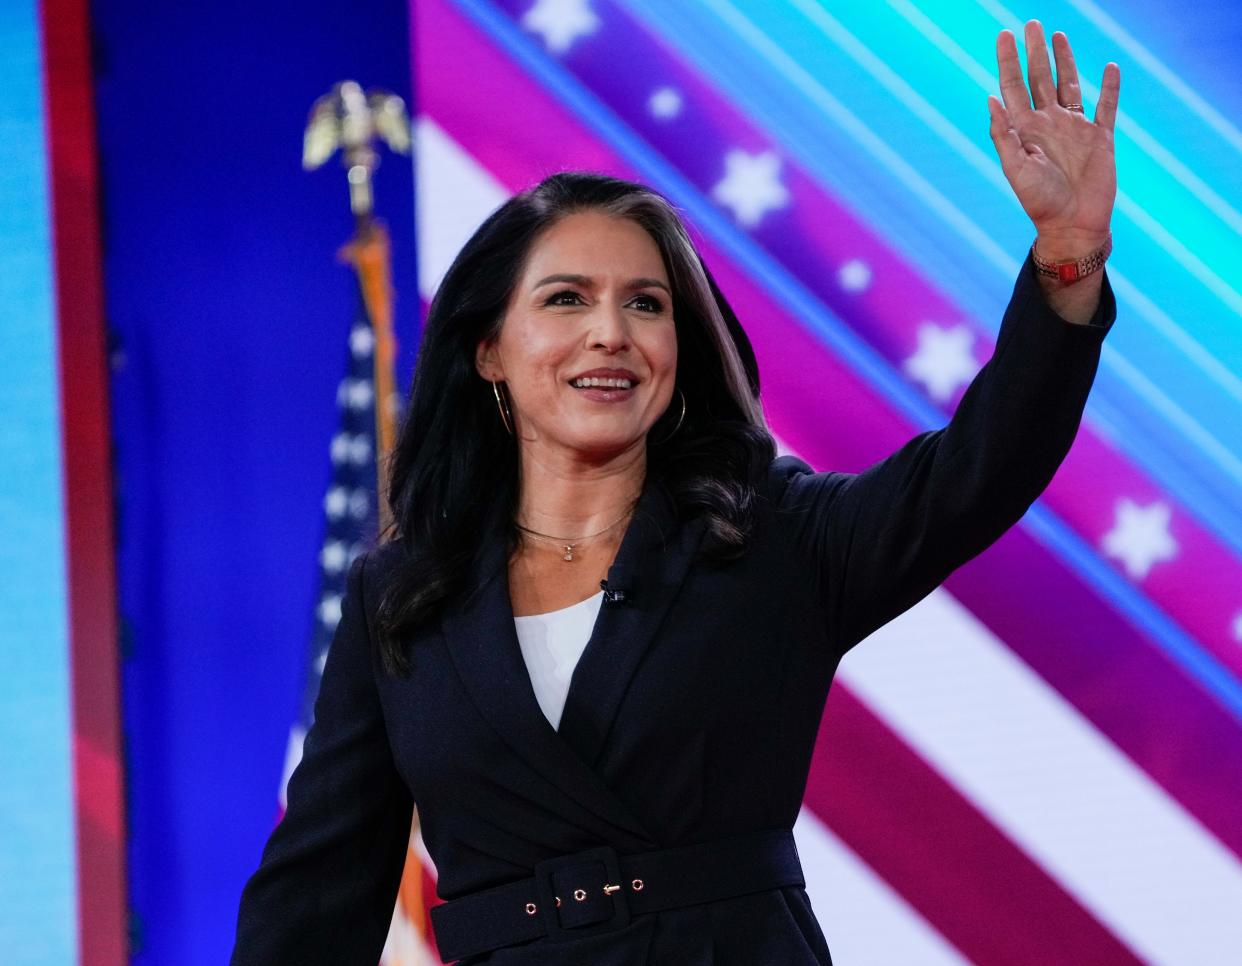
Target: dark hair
<point>452,476</point>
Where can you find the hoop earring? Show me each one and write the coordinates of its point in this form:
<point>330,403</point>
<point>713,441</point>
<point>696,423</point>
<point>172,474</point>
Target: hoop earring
<point>679,421</point>
<point>506,414</point>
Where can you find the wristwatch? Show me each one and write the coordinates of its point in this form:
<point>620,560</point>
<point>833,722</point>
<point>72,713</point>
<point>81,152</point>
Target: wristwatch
<point>1072,271</point>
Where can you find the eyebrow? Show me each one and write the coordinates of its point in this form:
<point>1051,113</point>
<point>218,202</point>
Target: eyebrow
<point>587,282</point>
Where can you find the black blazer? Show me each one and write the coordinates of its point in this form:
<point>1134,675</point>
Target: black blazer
<point>694,709</point>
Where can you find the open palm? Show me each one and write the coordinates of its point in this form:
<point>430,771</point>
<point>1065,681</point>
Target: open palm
<point>1060,165</point>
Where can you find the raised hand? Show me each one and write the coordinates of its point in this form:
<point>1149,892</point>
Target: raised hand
<point>1060,165</point>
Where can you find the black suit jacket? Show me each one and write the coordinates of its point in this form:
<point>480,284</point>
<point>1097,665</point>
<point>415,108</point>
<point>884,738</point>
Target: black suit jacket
<point>694,709</point>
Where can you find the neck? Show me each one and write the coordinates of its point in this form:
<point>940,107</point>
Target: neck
<point>570,496</point>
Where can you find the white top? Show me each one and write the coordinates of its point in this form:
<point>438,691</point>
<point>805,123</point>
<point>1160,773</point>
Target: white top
<point>551,645</point>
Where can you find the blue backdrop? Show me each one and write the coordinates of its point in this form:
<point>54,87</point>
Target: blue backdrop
<point>228,317</point>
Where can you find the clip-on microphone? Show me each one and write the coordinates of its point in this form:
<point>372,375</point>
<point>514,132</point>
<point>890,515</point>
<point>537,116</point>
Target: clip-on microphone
<point>616,590</point>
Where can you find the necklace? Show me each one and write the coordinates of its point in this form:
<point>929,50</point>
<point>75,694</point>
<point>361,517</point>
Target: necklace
<point>567,544</point>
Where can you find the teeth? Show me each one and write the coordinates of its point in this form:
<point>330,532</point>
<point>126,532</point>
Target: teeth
<point>608,383</point>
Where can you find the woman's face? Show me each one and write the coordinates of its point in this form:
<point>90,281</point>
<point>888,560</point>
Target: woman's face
<point>593,301</point>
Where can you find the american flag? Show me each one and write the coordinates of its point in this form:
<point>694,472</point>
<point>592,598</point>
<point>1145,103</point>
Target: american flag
<point>350,518</point>
<point>1042,761</point>
<point>350,526</point>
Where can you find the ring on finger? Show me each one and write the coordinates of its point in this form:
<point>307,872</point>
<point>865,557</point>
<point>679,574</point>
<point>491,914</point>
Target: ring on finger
<point>1074,107</point>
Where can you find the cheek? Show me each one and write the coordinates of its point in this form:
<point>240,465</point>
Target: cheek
<point>662,351</point>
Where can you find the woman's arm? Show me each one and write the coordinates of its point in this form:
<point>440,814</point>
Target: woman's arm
<point>881,540</point>
<point>326,886</point>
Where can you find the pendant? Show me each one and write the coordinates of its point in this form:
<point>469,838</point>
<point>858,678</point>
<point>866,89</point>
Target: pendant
<point>569,552</point>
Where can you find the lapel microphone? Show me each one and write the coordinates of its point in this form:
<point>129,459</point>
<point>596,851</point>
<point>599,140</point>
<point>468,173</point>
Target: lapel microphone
<point>616,590</point>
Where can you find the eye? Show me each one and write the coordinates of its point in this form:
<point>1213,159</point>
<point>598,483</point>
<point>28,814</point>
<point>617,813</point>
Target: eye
<point>552,299</point>
<point>655,303</point>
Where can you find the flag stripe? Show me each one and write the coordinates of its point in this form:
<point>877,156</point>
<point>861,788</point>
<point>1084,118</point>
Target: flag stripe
<point>1039,771</point>
<point>935,848</point>
<point>864,920</point>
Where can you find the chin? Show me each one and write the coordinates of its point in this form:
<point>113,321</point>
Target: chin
<point>606,445</point>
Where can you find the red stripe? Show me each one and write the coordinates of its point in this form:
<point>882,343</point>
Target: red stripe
<point>98,771</point>
<point>980,890</point>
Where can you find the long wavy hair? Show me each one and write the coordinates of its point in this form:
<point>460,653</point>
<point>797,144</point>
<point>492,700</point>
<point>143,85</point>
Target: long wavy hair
<point>453,473</point>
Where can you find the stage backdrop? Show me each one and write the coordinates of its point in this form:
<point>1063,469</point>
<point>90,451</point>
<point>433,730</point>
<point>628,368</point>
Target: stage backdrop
<point>1044,755</point>
<point>1042,762</point>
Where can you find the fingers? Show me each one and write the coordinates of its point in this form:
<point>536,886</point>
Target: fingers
<point>1110,90</point>
<point>1004,137</point>
<point>1068,90</point>
<point>1039,70</point>
<point>1013,87</point>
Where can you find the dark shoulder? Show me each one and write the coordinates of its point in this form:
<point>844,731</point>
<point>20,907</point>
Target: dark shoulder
<point>793,485</point>
<point>376,567</point>
<point>782,472</point>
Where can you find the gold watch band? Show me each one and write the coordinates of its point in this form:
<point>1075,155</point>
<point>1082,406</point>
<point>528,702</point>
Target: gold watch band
<point>1072,271</point>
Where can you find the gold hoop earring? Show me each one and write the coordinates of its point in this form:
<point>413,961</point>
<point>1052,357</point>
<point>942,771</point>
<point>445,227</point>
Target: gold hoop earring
<point>679,420</point>
<point>506,414</point>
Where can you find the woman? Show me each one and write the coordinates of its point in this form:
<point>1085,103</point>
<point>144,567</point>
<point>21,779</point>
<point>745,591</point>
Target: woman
<point>584,459</point>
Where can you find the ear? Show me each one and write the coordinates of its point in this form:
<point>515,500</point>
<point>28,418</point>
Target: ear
<point>487,360</point>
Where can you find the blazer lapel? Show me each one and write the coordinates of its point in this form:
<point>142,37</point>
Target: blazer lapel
<point>650,565</point>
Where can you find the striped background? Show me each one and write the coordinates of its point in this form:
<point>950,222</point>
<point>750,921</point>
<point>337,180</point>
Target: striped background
<point>1042,761</point>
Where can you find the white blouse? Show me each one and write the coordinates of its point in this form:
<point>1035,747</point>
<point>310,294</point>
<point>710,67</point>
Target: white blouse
<point>551,645</point>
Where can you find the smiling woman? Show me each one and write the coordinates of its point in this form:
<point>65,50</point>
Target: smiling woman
<point>613,778</point>
<point>611,325</point>
<point>610,352</point>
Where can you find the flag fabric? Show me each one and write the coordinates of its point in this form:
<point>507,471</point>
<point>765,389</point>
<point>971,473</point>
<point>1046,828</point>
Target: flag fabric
<point>351,515</point>
<point>349,518</point>
<point>1042,761</point>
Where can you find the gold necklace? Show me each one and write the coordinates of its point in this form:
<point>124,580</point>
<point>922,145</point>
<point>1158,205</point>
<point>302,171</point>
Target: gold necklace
<point>567,544</point>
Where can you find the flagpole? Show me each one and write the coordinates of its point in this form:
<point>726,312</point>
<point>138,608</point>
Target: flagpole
<point>354,121</point>
<point>369,252</point>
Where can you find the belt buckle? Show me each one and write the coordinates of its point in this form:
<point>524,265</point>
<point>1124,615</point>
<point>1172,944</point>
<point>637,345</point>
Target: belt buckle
<point>600,867</point>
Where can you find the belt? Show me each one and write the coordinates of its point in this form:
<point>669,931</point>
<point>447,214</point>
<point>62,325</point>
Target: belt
<point>597,890</point>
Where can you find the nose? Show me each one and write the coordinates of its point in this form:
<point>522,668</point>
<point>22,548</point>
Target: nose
<point>609,329</point>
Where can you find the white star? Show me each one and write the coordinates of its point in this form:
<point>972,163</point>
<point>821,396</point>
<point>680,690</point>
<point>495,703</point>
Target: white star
<point>664,103</point>
<point>943,360</point>
<point>1140,537</point>
<point>751,185</point>
<point>361,342</point>
<point>354,393</point>
<point>854,275</point>
<point>330,610</point>
<point>1237,626</point>
<point>360,394</point>
<point>332,557</point>
<point>360,450</point>
<point>359,502</point>
<point>335,501</point>
<point>341,444</point>
<point>561,22</point>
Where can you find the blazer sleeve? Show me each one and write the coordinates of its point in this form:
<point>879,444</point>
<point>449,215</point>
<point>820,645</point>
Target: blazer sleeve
<point>326,885</point>
<point>879,541</point>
